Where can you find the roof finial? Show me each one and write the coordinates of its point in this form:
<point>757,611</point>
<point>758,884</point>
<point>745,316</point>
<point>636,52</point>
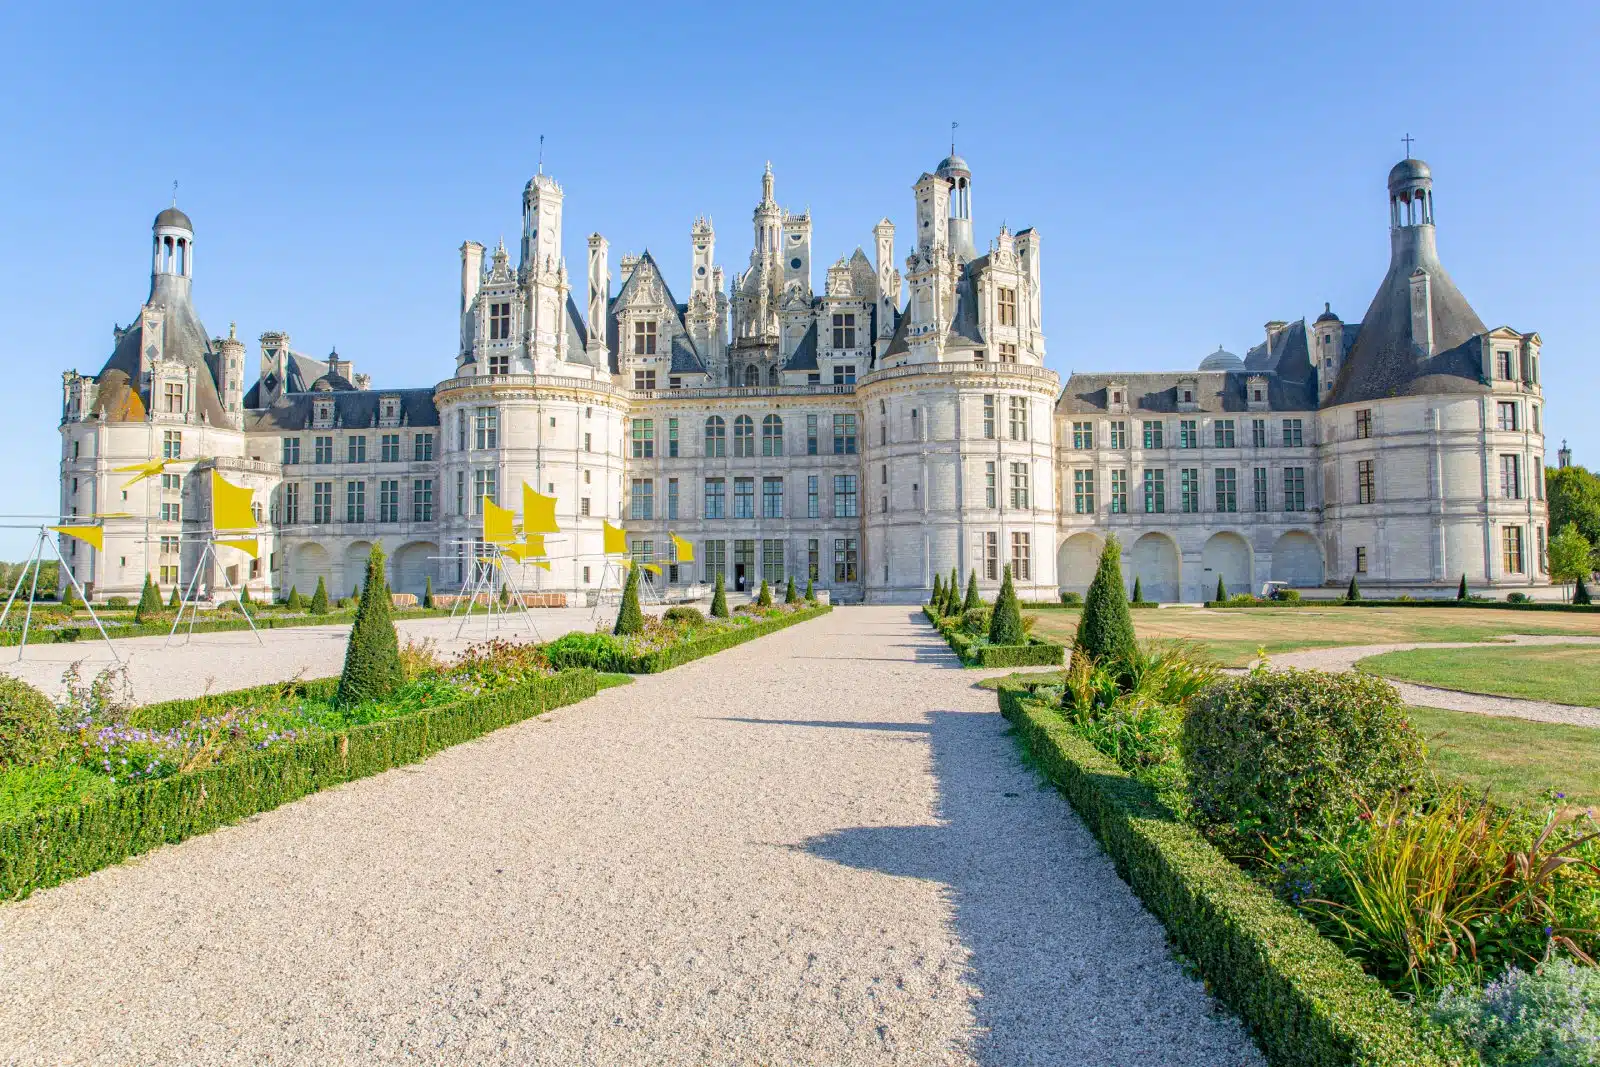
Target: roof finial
<point>541,153</point>
<point>1408,139</point>
<point>953,126</point>
<point>174,192</point>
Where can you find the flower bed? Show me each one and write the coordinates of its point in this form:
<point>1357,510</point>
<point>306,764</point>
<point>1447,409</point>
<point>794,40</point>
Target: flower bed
<point>975,651</point>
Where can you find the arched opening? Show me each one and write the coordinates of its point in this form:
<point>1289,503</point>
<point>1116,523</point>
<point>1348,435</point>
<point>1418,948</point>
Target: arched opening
<point>1226,556</point>
<point>307,563</point>
<point>1076,561</point>
<point>752,376</point>
<point>774,377</point>
<point>1155,564</point>
<point>1297,559</point>
<point>414,564</point>
<point>355,569</point>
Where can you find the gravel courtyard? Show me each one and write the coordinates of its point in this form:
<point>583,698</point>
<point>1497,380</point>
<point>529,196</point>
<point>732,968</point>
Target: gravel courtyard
<point>816,848</point>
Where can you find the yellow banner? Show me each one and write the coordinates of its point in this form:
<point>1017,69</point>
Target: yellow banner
<point>250,546</point>
<point>616,541</point>
<point>534,545</point>
<point>141,471</point>
<point>540,563</point>
<point>230,505</point>
<point>497,523</point>
<point>93,535</point>
<point>538,512</point>
<point>653,568</point>
<point>684,550</point>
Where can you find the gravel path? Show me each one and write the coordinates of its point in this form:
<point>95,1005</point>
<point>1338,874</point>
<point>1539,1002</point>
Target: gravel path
<point>1344,658</point>
<point>817,848</point>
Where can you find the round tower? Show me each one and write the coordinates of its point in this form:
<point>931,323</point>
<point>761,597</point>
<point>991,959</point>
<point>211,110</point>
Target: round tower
<point>172,254</point>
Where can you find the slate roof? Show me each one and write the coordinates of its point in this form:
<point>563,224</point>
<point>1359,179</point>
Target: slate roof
<point>964,329</point>
<point>184,339</point>
<point>804,356</point>
<point>675,335</point>
<point>352,410</point>
<point>1156,392</point>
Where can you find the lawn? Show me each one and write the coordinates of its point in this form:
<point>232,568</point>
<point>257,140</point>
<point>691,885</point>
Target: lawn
<point>1517,760</point>
<point>1561,674</point>
<point>1233,637</point>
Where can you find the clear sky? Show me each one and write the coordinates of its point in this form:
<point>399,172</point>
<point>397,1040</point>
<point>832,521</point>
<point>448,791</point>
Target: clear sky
<point>1194,169</point>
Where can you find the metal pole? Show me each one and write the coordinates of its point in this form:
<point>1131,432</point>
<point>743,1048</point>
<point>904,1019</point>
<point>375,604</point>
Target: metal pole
<point>56,547</point>
<point>21,576</point>
<point>33,592</point>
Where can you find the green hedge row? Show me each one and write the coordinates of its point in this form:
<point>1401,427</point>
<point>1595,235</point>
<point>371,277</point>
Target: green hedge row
<point>1308,1004</point>
<point>170,713</point>
<point>1035,653</point>
<point>54,846</point>
<point>86,631</point>
<point>667,658</point>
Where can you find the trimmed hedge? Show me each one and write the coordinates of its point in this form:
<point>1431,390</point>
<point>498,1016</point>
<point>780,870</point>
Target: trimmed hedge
<point>1035,653</point>
<point>1307,1003</point>
<point>667,658</point>
<point>84,630</point>
<point>54,846</point>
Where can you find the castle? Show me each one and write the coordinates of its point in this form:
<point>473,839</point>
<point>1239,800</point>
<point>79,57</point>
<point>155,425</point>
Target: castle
<point>867,437</point>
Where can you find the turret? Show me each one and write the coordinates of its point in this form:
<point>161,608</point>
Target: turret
<point>227,370</point>
<point>541,224</point>
<point>599,294</point>
<point>933,212</point>
<point>172,266</point>
<point>954,170</point>
<point>797,251</point>
<point>1328,349</point>
<point>767,218</point>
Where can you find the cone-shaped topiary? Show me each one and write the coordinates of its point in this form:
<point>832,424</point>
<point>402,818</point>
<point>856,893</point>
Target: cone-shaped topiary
<point>764,598</point>
<point>1105,629</point>
<point>1005,625</point>
<point>1222,591</point>
<point>973,600</point>
<point>1138,591</point>
<point>505,593</point>
<point>176,600</point>
<point>372,658</point>
<point>427,593</point>
<point>630,620</point>
<point>719,599</point>
<point>149,600</point>
<point>811,590</point>
<point>1580,592</point>
<point>319,599</point>
<point>295,601</point>
<point>1461,590</point>
<point>952,593</point>
<point>789,594</point>
<point>937,599</point>
<point>244,594</point>
<point>355,592</point>
<point>1354,592</point>
<point>69,597</point>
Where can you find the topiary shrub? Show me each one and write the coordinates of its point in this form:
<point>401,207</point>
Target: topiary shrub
<point>372,657</point>
<point>1222,591</point>
<point>30,725</point>
<point>505,594</point>
<point>937,598</point>
<point>1105,629</point>
<point>295,602</point>
<point>1070,599</point>
<point>1517,598</point>
<point>1580,592</point>
<point>630,620</point>
<point>1354,592</point>
<point>973,600</point>
<point>601,652</point>
<point>1005,625</point>
<point>427,593</point>
<point>1461,590</point>
<point>764,598</point>
<point>1288,596</point>
<point>69,598</point>
<point>149,601</point>
<point>811,592</point>
<point>177,600</point>
<point>1138,590</point>
<point>975,621</point>
<point>719,599</point>
<point>685,614</point>
<point>117,603</point>
<point>790,596</point>
<point>319,599</point>
<point>1289,755</point>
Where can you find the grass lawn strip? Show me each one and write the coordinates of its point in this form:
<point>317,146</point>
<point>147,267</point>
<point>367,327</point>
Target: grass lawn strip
<point>1557,674</point>
<point>1518,761</point>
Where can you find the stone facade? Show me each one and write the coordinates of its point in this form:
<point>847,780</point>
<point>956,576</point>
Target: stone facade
<point>867,436</point>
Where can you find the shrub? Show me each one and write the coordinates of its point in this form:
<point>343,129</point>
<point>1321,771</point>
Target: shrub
<point>1461,591</point>
<point>1138,590</point>
<point>1517,598</point>
<point>27,790</point>
<point>685,614</point>
<point>719,600</point>
<point>244,594</point>
<point>149,600</point>
<point>1005,624</point>
<point>505,591</point>
<point>789,594</point>
<point>936,598</point>
<point>372,656</point>
<point>117,603</point>
<point>427,593</point>
<point>973,600</point>
<point>30,725</point>
<point>342,603</point>
<point>630,620</point>
<point>319,599</point>
<point>1222,591</point>
<point>1071,598</point>
<point>1288,596</point>
<point>176,600</point>
<point>1580,592</point>
<point>294,603</point>
<point>764,598</point>
<point>1354,592</point>
<point>1105,629</point>
<point>603,652</point>
<point>811,592</point>
<point>975,621</point>
<point>1547,1018</point>
<point>69,598</point>
<point>1287,755</point>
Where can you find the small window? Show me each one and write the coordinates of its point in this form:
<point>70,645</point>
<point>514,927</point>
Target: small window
<point>1361,559</point>
<point>644,338</point>
<point>1007,300</point>
<point>644,379</point>
<point>1364,423</point>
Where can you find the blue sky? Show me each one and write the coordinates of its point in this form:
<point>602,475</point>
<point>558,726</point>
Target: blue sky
<point>1195,170</point>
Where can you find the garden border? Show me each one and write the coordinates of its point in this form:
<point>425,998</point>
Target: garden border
<point>41,635</point>
<point>676,656</point>
<point>1035,653</point>
<point>1308,1004</point>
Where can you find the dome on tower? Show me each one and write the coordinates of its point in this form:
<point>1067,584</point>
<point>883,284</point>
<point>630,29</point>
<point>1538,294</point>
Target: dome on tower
<point>173,217</point>
<point>1327,314</point>
<point>1222,359</point>
<point>1409,170</point>
<point>953,165</point>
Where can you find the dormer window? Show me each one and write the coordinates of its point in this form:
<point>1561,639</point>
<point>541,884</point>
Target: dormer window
<point>500,321</point>
<point>1188,396</point>
<point>1008,306</point>
<point>323,412</point>
<point>174,398</point>
<point>844,330</point>
<point>1116,396</point>
<point>644,338</point>
<point>389,410</point>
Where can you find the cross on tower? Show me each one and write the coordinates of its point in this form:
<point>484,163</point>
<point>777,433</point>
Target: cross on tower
<point>1408,139</point>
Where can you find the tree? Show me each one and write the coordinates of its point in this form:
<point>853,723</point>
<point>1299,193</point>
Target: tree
<point>505,593</point>
<point>1105,629</point>
<point>630,620</point>
<point>1580,595</point>
<point>244,594</point>
<point>1574,496</point>
<point>719,599</point>
<point>1571,555</point>
<point>1005,625</point>
<point>319,599</point>
<point>1138,591</point>
<point>427,593</point>
<point>355,593</point>
<point>973,599</point>
<point>149,601</point>
<point>1461,590</point>
<point>1354,592</point>
<point>295,602</point>
<point>372,656</point>
<point>1222,591</point>
<point>764,598</point>
<point>952,593</point>
<point>811,590</point>
<point>69,597</point>
<point>937,599</point>
<point>177,599</point>
<point>789,594</point>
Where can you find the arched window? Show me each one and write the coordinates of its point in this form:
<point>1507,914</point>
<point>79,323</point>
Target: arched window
<point>716,436</point>
<point>772,436</point>
<point>752,375</point>
<point>774,377</point>
<point>744,437</point>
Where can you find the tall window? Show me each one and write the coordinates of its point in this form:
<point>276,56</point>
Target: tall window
<point>1366,482</point>
<point>744,498</point>
<point>844,435</point>
<point>813,559</point>
<point>422,447</point>
<point>772,435</point>
<point>1227,489</point>
<point>1293,433</point>
<point>1119,492</point>
<point>1502,366</point>
<point>1007,300</point>
<point>1189,489</point>
<point>811,435</point>
<point>716,498</point>
<point>500,321</point>
<point>813,510</point>
<point>1119,434</point>
<point>714,559</point>
<point>844,330</point>
<point>1019,418</point>
<point>483,485</point>
<point>389,500</point>
<point>355,501</point>
<point>1258,433</point>
<point>716,436</point>
<point>291,450</point>
<point>174,398</point>
<point>1363,423</point>
<point>461,492</point>
<point>1083,492</point>
<point>989,488</point>
<point>1021,557</point>
<point>1222,433</point>
<point>1152,435</point>
<point>1019,486</point>
<point>642,501</point>
<point>772,563</point>
<point>486,425</point>
<point>291,506</point>
<point>644,379</point>
<point>1533,411</point>
<point>1082,435</point>
<point>844,496</point>
<point>672,498</point>
<point>1507,410</point>
<point>171,444</point>
<point>844,559</point>
<point>1361,559</point>
<point>1511,477</point>
<point>389,447</point>
<point>644,338</point>
<point>1511,539</point>
<point>422,500</point>
<point>1294,489</point>
<point>1188,434</point>
<point>772,498</point>
<point>672,438</point>
<point>1260,486</point>
<point>356,448</point>
<point>991,556</point>
<point>321,501</point>
<point>644,438</point>
<point>744,437</point>
<point>988,416</point>
<point>1155,492</point>
<point>461,431</point>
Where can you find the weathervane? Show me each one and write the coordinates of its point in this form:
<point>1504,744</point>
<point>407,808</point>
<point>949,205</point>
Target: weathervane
<point>174,192</point>
<point>953,126</point>
<point>541,153</point>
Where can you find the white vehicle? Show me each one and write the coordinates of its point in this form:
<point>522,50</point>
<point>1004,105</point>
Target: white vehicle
<point>1270,590</point>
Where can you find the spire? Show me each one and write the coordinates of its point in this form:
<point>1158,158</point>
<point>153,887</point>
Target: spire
<point>766,185</point>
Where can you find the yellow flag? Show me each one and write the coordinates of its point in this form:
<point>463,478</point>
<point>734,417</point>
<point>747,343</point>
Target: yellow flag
<point>684,550</point>
<point>248,545</point>
<point>653,568</point>
<point>230,505</point>
<point>538,512</point>
<point>515,552</point>
<point>616,539</point>
<point>141,471</point>
<point>534,545</point>
<point>94,535</point>
<point>497,523</point>
<point>540,563</point>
